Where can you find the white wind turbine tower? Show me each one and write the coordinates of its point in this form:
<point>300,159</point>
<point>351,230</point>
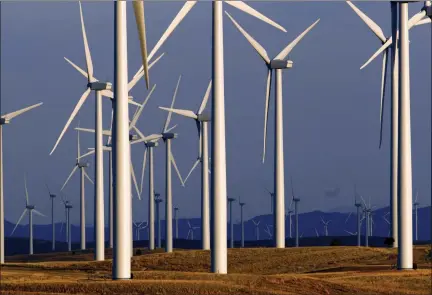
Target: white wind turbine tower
<point>218,195</point>
<point>158,220</point>
<point>358,206</point>
<point>296,200</point>
<point>83,174</point>
<point>416,204</point>
<point>367,209</point>
<point>256,223</point>
<point>230,201</point>
<point>279,63</point>
<point>176,222</point>
<point>201,119</point>
<point>52,197</point>
<point>30,209</point>
<point>242,222</point>
<point>6,119</point>
<point>325,223</point>
<point>394,122</point>
<point>388,222</point>
<point>290,213</point>
<point>68,207</point>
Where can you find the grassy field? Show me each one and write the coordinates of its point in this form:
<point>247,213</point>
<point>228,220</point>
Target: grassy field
<point>314,270</point>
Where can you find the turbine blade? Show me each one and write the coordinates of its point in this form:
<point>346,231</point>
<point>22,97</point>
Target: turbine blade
<point>258,48</point>
<point>138,7</point>
<point>176,169</point>
<point>134,180</point>
<point>139,75</point>
<point>141,108</point>
<point>88,58</point>
<point>378,52</point>
<point>205,99</point>
<point>369,22</point>
<point>38,213</point>
<point>143,169</point>
<point>141,135</point>
<point>249,10</point>
<point>70,175</point>
<point>88,177</point>
<point>26,192</point>
<point>172,128</point>
<point>424,22</point>
<point>266,110</point>
<point>87,154</point>
<point>12,115</point>
<point>383,87</point>
<point>77,68</point>
<point>19,220</point>
<point>72,116</point>
<point>416,18</point>
<point>168,119</point>
<point>284,53</point>
<point>185,113</point>
<point>192,169</point>
<point>175,22</point>
<point>78,143</point>
<point>349,215</point>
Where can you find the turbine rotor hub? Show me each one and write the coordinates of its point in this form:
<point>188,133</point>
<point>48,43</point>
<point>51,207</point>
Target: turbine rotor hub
<point>4,121</point>
<point>204,117</point>
<point>168,135</point>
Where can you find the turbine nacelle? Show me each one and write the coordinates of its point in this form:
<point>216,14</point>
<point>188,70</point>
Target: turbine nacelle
<point>98,86</point>
<point>133,137</point>
<point>151,144</point>
<point>83,165</point>
<point>4,121</point>
<point>296,199</point>
<point>30,207</point>
<point>204,117</point>
<point>68,206</point>
<point>428,9</point>
<point>52,196</point>
<point>278,64</point>
<point>168,135</point>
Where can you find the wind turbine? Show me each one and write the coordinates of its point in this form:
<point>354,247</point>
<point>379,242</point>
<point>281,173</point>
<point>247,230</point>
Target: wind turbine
<point>158,200</point>
<point>290,213</point>
<point>83,174</point>
<point>272,197</point>
<point>191,231</point>
<point>6,119</point>
<point>176,222</point>
<point>230,201</point>
<point>296,200</point>
<point>316,232</point>
<point>277,64</point>
<point>167,136</point>
<point>358,206</point>
<point>242,222</point>
<point>388,222</point>
<point>201,119</point>
<point>52,197</point>
<point>268,231</point>
<point>416,204</point>
<point>367,209</point>
<point>256,223</point>
<point>68,207</point>
<point>30,209</point>
<point>325,223</point>
<point>137,229</point>
<point>394,122</point>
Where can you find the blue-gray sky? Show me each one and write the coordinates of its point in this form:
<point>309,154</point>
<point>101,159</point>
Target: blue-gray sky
<point>331,108</point>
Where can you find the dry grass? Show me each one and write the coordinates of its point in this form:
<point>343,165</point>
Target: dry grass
<point>318,270</point>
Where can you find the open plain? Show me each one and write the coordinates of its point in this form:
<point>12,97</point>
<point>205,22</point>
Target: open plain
<point>308,270</point>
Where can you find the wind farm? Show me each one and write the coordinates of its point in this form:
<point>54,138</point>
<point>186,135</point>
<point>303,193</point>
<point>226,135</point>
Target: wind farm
<point>270,212</point>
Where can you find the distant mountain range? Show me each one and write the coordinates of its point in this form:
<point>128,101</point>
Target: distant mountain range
<point>308,222</point>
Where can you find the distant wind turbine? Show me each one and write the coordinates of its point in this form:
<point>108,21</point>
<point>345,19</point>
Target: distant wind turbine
<point>230,201</point>
<point>68,207</point>
<point>416,205</point>
<point>325,223</point>
<point>30,209</point>
<point>52,197</point>
<point>242,222</point>
<point>6,119</point>
<point>81,166</point>
<point>256,223</point>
